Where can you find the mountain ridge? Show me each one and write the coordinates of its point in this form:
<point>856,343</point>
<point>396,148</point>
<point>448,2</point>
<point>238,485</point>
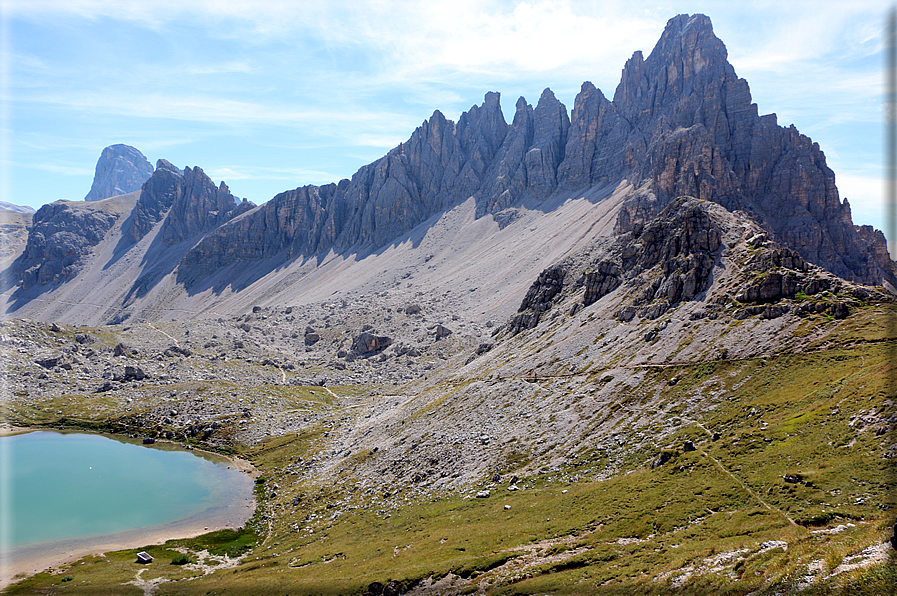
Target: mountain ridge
<point>681,120</point>
<point>681,123</point>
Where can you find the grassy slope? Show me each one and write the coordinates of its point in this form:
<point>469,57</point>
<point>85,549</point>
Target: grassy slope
<point>695,525</point>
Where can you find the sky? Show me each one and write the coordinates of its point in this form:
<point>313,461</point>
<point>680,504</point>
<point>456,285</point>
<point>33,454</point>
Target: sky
<point>268,96</point>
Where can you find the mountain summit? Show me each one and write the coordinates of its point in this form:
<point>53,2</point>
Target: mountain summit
<point>121,169</point>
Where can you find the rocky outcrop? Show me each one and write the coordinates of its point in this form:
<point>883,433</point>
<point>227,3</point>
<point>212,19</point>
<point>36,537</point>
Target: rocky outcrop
<point>187,200</point>
<point>605,278</point>
<point>672,260</point>
<point>121,169</point>
<point>684,241</point>
<point>539,299</point>
<point>667,261</point>
<point>62,233</point>
<point>199,207</point>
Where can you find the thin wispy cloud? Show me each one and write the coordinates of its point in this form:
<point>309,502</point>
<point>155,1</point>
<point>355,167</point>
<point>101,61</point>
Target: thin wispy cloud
<point>222,111</point>
<point>55,168</point>
<point>262,173</point>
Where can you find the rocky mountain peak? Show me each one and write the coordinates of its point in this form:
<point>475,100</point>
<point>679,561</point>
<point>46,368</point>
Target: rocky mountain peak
<point>188,200</point>
<point>688,62</point>
<point>166,166</point>
<point>550,126</point>
<point>121,169</point>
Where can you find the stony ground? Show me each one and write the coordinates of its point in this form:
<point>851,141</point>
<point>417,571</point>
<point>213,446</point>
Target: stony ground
<point>363,411</point>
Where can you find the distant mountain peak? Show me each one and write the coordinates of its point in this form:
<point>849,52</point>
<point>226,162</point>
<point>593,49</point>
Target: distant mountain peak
<point>4,206</point>
<point>121,169</point>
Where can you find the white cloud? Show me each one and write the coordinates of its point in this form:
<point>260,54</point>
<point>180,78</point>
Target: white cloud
<point>865,192</point>
<point>227,173</point>
<point>405,38</point>
<point>216,110</point>
<point>58,169</point>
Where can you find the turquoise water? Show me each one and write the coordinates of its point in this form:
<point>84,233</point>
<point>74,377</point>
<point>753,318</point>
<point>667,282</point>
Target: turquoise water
<point>59,486</point>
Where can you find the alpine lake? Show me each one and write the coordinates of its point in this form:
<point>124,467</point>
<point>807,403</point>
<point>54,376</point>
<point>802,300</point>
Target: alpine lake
<point>64,494</point>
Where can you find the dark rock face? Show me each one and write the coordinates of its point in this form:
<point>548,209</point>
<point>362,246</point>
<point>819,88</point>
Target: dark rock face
<point>682,243</point>
<point>156,198</point>
<point>671,260</point>
<point>695,132</point>
<point>61,235</point>
<point>684,240</point>
<point>121,169</point>
<point>539,298</point>
<point>189,202</point>
<point>602,281</point>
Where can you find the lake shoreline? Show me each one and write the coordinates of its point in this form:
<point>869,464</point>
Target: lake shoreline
<point>18,564</point>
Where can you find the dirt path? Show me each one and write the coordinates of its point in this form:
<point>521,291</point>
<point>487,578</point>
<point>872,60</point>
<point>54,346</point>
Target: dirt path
<point>148,586</point>
<point>163,333</point>
<point>738,480</point>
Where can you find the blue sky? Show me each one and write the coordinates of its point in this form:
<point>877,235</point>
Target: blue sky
<point>272,95</point>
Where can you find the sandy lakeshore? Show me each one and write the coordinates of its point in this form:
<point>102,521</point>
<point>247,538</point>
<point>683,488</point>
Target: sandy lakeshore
<point>20,563</point>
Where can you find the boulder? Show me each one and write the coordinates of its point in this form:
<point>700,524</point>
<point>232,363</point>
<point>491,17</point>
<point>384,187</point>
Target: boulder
<point>134,373</point>
<point>441,332</point>
<point>662,458</point>
<point>124,350</point>
<point>50,361</point>
<point>368,343</point>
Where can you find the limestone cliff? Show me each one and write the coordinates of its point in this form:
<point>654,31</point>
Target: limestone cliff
<point>61,234</point>
<point>187,200</point>
<point>681,123</point>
